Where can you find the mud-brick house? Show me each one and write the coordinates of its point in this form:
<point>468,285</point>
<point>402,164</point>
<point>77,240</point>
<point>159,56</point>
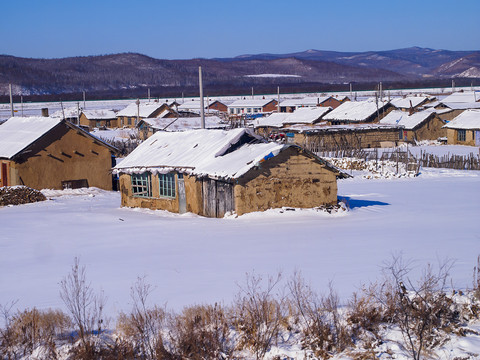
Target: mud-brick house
<point>90,119</point>
<point>341,137</point>
<point>352,112</point>
<point>422,125</point>
<point>44,152</point>
<point>128,116</point>
<point>213,172</point>
<point>464,129</point>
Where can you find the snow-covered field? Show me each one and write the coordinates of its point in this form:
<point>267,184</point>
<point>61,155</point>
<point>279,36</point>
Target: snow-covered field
<point>193,260</point>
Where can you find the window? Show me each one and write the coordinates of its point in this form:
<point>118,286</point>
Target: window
<point>167,185</point>
<point>141,185</point>
<point>461,135</point>
<point>129,121</point>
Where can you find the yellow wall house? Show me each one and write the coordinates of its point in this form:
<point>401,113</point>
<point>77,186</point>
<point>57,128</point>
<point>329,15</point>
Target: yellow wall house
<point>213,172</point>
<point>44,152</point>
<point>464,129</point>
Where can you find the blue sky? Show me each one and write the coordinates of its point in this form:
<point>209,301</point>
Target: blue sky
<point>226,28</point>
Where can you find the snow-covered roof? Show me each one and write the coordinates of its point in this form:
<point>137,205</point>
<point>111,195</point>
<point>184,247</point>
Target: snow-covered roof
<point>250,103</point>
<point>200,152</point>
<point>354,111</point>
<point>184,123</point>
<point>335,128</point>
<point>145,109</point>
<point>469,119</point>
<point>461,106</point>
<point>100,114</point>
<point>465,97</point>
<point>17,133</point>
<point>306,101</point>
<point>405,103</point>
<point>304,115</point>
<point>70,112</point>
<point>402,118</point>
<point>192,105</point>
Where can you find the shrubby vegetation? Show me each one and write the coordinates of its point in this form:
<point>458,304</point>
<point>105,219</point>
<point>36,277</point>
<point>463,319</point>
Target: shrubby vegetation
<point>266,312</point>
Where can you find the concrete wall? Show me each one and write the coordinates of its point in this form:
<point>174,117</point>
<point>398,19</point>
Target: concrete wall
<point>72,156</point>
<point>289,179</point>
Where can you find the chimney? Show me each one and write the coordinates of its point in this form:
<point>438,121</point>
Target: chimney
<point>45,112</point>
<point>411,111</point>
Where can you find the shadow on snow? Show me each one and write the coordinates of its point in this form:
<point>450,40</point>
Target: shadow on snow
<point>359,203</point>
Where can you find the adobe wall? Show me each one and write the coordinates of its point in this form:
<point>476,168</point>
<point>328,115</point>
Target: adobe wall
<point>430,130</point>
<point>72,157</point>
<point>289,179</point>
<point>193,193</point>
<point>271,106</point>
<point>469,137</point>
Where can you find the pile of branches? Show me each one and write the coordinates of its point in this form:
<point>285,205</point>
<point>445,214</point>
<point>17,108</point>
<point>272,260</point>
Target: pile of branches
<point>16,195</point>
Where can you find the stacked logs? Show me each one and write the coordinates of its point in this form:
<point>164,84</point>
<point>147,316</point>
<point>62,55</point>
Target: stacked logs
<point>16,195</point>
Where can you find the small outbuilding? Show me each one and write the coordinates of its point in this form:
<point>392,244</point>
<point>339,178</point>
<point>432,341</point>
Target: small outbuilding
<point>49,153</point>
<point>355,112</point>
<point>90,119</point>
<point>214,172</point>
<point>464,129</point>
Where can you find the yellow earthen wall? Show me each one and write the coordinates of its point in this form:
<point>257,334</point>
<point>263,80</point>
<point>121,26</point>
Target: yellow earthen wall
<point>44,172</point>
<point>469,137</point>
<point>289,179</point>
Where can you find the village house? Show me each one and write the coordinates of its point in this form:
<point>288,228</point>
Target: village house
<point>464,129</point>
<point>290,105</point>
<point>215,172</point>
<point>367,111</point>
<point>50,153</point>
<point>462,97</point>
<point>422,125</point>
<point>220,106</point>
<point>276,121</point>
<point>449,111</point>
<point>323,137</point>
<point>252,106</point>
<point>90,119</point>
<point>148,127</point>
<point>128,116</point>
<point>411,103</point>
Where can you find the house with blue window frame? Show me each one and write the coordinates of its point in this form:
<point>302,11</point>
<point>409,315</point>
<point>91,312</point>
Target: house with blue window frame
<point>215,172</point>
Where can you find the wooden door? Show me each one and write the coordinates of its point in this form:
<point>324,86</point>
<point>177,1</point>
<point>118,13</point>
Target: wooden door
<point>182,198</point>
<point>4,177</point>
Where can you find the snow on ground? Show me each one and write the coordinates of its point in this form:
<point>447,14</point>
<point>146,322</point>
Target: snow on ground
<point>191,259</point>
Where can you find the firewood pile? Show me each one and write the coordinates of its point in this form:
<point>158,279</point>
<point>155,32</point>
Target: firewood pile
<point>16,195</point>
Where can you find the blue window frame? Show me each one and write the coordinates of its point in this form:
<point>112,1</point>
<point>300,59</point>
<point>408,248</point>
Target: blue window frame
<point>167,185</point>
<point>141,185</point>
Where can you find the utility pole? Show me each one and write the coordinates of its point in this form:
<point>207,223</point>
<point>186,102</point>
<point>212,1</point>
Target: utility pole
<point>148,94</point>
<point>453,86</point>
<point>252,92</point>
<point>351,91</point>
<point>202,110</point>
<point>78,113</point>
<point>278,98</point>
<point>138,111</point>
<point>84,101</point>
<point>21,102</point>
<point>11,99</point>
<point>208,105</point>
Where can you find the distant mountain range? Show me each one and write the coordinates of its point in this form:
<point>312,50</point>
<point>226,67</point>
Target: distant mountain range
<point>129,71</point>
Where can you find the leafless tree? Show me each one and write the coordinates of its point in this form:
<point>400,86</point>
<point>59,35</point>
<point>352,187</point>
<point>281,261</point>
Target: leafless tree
<point>84,305</point>
<point>7,335</point>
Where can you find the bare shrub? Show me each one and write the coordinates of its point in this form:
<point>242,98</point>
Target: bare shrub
<point>259,313</point>
<point>202,332</point>
<point>476,279</point>
<point>85,307</point>
<point>35,328</point>
<point>423,310</point>
<point>144,325</point>
<point>8,348</point>
<point>324,331</point>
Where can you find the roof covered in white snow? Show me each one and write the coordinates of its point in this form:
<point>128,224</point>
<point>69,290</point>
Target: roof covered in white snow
<point>145,109</point>
<point>409,101</point>
<point>465,97</point>
<point>306,101</point>
<point>200,152</point>
<point>245,103</point>
<point>184,123</point>
<point>304,115</point>
<point>354,111</point>
<point>469,119</point>
<point>17,133</point>
<point>461,106</point>
<point>402,118</point>
<point>100,114</point>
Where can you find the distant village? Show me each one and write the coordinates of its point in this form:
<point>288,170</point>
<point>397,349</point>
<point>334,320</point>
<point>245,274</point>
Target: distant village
<point>225,156</point>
